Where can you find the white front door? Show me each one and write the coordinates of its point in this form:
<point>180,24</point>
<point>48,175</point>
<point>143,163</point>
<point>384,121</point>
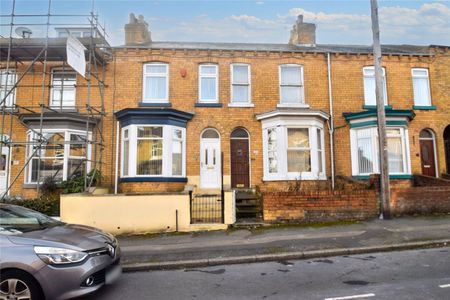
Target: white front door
<point>4,161</point>
<point>210,163</point>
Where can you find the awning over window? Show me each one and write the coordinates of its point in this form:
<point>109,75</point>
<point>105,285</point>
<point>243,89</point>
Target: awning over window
<point>165,116</point>
<point>59,120</point>
<point>394,117</point>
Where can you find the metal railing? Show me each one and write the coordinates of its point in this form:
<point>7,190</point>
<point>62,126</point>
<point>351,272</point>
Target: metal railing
<point>207,209</point>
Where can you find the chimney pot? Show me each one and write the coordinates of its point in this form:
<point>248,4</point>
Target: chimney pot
<point>136,31</point>
<point>303,33</point>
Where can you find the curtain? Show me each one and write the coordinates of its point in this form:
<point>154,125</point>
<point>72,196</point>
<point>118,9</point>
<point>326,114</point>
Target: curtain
<point>365,155</point>
<point>421,91</point>
<point>208,88</point>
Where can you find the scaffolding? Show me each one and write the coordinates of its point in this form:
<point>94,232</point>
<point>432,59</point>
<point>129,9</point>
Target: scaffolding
<point>35,56</point>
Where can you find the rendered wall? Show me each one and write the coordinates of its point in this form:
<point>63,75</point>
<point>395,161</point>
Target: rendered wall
<point>122,214</point>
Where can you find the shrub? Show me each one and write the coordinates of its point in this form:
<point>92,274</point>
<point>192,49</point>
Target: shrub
<point>76,184</point>
<point>45,205</point>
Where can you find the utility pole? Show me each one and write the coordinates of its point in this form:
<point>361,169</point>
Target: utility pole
<point>381,116</point>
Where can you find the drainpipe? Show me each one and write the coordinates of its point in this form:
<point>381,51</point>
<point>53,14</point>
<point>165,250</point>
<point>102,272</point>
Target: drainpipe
<point>331,124</point>
<point>116,173</point>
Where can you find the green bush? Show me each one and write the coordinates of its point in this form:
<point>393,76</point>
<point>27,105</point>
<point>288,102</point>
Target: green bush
<point>45,205</point>
<point>76,184</point>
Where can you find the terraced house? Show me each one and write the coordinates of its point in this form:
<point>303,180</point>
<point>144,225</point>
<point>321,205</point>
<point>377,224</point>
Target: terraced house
<point>205,117</point>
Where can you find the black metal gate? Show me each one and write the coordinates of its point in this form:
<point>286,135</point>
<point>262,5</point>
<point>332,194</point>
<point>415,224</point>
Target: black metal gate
<point>206,209</point>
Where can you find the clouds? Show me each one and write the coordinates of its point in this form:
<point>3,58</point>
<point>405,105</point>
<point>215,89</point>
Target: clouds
<point>428,23</point>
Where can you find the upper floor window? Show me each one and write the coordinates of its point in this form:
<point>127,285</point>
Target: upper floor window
<point>208,83</point>
<point>421,87</point>
<point>240,84</point>
<point>7,82</point>
<point>62,93</point>
<point>369,86</point>
<point>156,82</point>
<point>291,84</point>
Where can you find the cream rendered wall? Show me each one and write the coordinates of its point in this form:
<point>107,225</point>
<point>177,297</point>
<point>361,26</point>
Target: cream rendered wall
<point>125,214</point>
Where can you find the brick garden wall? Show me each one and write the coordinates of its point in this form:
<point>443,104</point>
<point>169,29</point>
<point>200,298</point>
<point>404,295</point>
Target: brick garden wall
<point>319,206</point>
<point>420,200</point>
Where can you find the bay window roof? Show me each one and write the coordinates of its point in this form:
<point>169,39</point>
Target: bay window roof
<point>167,116</point>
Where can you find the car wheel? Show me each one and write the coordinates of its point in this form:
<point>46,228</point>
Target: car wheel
<point>19,285</point>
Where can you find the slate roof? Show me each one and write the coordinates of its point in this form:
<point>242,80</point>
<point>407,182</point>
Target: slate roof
<point>319,48</point>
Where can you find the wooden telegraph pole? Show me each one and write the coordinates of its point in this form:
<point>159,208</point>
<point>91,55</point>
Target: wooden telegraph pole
<point>381,116</point>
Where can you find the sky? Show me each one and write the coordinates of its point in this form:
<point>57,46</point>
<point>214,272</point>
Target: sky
<point>250,21</point>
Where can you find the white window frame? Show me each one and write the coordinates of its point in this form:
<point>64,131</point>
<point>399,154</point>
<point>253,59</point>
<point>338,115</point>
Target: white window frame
<point>6,84</point>
<point>148,74</point>
<point>281,125</point>
<point>61,88</point>
<point>167,139</point>
<point>200,76</point>
<point>366,76</point>
<point>67,156</point>
<point>248,85</point>
<point>301,102</point>
<point>427,77</point>
<point>374,144</point>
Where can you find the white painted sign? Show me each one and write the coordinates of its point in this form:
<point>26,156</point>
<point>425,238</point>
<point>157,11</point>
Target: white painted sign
<point>75,55</point>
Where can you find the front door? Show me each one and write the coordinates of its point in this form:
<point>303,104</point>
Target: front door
<point>239,163</point>
<point>427,157</point>
<point>210,163</point>
<point>4,160</point>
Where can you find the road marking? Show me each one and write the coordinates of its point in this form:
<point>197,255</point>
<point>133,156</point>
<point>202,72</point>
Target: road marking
<point>352,297</point>
<point>444,286</point>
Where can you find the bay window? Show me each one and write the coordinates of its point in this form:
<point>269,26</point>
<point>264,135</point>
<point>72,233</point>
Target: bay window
<point>59,154</point>
<point>364,147</point>
<point>153,151</point>
<point>294,152</point>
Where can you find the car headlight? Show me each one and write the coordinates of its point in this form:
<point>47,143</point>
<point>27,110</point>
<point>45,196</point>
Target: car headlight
<point>58,256</point>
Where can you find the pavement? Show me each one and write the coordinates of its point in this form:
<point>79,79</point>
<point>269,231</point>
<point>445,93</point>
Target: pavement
<point>282,242</point>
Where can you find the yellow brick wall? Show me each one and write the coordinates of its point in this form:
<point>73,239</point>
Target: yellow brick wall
<point>124,90</point>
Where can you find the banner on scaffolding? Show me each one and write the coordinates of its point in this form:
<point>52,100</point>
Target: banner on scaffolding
<point>75,55</point>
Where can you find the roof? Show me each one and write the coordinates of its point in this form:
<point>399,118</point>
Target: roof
<point>292,112</point>
<point>30,48</point>
<point>373,113</point>
<point>319,48</point>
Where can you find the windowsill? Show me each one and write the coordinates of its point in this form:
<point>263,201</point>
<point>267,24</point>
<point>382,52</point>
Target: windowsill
<point>389,107</point>
<point>393,176</point>
<point>155,104</point>
<point>205,104</point>
<point>64,109</point>
<point>423,107</point>
<point>291,177</point>
<point>292,105</point>
<point>153,179</point>
<point>240,104</point>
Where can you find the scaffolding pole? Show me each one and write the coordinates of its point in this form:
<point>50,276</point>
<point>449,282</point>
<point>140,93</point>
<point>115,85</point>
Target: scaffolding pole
<point>46,50</point>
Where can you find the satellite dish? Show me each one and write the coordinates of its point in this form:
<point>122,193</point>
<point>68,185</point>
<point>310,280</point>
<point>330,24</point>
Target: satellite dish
<point>24,32</point>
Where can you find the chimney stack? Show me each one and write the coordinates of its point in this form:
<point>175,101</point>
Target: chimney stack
<point>136,32</point>
<point>303,33</point>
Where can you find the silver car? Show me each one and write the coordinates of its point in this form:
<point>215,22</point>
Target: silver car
<point>41,258</point>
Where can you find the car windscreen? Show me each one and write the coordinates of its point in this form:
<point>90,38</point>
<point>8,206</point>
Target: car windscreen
<point>16,219</point>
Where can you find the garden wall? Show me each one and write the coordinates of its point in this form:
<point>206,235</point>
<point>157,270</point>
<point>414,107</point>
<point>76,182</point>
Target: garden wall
<point>319,206</point>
